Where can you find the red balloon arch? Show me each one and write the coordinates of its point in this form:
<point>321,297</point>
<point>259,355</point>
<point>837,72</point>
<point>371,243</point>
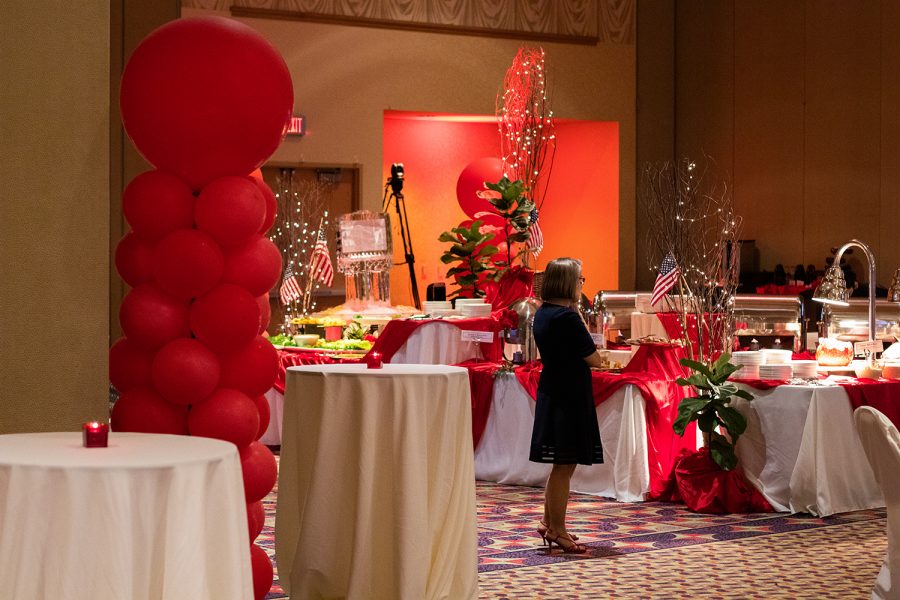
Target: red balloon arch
<point>206,102</point>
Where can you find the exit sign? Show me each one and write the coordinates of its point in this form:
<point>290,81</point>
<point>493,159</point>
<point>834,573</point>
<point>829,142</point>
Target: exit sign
<point>297,126</point>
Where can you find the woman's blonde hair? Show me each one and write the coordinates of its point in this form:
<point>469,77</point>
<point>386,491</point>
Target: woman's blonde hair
<point>561,279</point>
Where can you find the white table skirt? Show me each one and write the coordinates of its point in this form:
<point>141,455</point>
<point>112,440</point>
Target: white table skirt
<point>802,451</point>
<point>376,490</point>
<point>272,435</point>
<point>502,453</point>
<point>436,343</point>
<point>149,517</point>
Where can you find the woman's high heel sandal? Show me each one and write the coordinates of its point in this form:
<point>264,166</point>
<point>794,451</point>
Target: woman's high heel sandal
<point>542,531</point>
<point>572,548</point>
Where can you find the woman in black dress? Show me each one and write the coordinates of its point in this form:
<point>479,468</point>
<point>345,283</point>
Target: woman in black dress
<point>565,420</point>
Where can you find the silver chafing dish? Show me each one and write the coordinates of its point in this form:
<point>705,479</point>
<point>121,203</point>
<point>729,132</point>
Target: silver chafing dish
<point>759,317</point>
<point>769,318</point>
<point>851,323</point>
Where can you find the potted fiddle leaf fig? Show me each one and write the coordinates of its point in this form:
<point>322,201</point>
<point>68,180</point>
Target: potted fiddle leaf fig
<point>710,407</point>
<point>470,251</point>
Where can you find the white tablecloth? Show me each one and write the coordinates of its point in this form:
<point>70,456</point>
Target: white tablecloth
<point>436,343</point>
<point>502,453</point>
<point>802,451</point>
<point>149,517</point>
<point>376,490</point>
<point>644,324</point>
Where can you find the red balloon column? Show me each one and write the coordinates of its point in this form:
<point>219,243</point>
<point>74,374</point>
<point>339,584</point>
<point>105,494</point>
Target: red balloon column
<point>205,101</point>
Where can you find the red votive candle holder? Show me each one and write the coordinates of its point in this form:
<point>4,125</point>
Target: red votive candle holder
<point>95,434</point>
<point>373,360</point>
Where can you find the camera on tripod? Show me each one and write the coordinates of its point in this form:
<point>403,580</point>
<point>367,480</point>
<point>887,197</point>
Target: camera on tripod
<point>396,178</point>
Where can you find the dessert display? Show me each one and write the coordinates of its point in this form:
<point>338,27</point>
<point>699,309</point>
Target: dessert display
<point>834,353</point>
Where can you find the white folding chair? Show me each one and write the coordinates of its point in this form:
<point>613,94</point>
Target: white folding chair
<point>881,443</point>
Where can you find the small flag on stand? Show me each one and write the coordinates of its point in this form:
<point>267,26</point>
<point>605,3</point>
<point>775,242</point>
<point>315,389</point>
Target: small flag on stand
<point>290,287</point>
<point>535,235</point>
<point>665,281</point>
<point>320,266</point>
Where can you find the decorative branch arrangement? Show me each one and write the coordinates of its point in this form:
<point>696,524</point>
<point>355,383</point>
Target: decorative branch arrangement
<point>691,218</point>
<point>525,121</point>
<point>302,219</point>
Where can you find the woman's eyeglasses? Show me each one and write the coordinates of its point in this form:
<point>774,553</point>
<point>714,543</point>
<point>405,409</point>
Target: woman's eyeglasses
<point>581,279</point>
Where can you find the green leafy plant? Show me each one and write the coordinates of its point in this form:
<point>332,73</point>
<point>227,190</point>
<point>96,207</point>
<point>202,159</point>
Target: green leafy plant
<point>711,408</point>
<point>509,201</point>
<point>470,251</point>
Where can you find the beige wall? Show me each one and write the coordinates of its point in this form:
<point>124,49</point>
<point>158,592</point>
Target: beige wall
<point>345,77</point>
<point>54,82</point>
<point>800,103</point>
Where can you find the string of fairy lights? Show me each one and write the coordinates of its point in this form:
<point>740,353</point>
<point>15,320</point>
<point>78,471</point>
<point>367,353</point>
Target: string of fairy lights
<point>302,216</point>
<point>525,121</point>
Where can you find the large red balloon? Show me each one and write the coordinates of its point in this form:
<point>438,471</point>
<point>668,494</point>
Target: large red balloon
<point>262,571</point>
<point>259,469</point>
<point>472,179</point>
<point>265,414</point>
<point>252,369</point>
<point>185,371</point>
<point>230,209</point>
<point>256,519</point>
<point>206,97</point>
<point>254,265</point>
<point>187,263</point>
<point>226,415</point>
<point>265,311</point>
<point>157,203</point>
<point>134,259</point>
<point>226,319</point>
<point>271,203</point>
<point>150,317</point>
<point>129,365</point>
<point>144,411</point>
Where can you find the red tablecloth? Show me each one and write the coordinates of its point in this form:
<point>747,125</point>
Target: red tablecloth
<point>295,357</point>
<point>672,324</point>
<point>396,333</point>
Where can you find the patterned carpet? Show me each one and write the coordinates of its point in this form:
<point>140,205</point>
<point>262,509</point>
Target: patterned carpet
<point>658,550</point>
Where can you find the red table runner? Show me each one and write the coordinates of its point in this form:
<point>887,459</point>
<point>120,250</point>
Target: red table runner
<point>396,333</point>
<point>296,357</point>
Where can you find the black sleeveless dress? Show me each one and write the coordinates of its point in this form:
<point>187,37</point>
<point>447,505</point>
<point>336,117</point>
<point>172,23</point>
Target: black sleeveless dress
<point>565,419</point>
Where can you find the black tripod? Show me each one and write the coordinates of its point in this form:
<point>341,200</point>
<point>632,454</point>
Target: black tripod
<point>395,185</point>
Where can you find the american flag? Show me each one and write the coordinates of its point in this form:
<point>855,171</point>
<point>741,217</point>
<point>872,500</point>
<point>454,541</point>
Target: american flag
<point>320,266</point>
<point>290,287</point>
<point>668,275</point>
<point>535,235</point>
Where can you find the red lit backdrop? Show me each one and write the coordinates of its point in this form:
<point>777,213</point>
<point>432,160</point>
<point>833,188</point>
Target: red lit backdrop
<point>580,217</point>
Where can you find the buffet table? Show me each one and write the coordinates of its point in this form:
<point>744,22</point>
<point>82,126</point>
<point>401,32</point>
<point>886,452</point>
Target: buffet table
<point>801,449</point>
<point>151,516</point>
<point>377,463</point>
<point>438,341</point>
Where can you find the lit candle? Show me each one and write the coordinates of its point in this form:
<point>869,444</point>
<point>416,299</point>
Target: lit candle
<point>373,360</point>
<point>95,434</point>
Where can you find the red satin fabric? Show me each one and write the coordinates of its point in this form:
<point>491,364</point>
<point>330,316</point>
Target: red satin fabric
<point>705,488</point>
<point>671,323</point>
<point>785,290</point>
<point>481,384</point>
<point>295,358</point>
<point>516,283</point>
<point>881,394</point>
<point>396,333</point>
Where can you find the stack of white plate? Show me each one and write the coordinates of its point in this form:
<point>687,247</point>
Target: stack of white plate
<point>746,372</point>
<point>804,369</point>
<point>772,356</point>
<point>471,309</point>
<point>779,372</point>
<point>431,307</point>
<point>749,364</point>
